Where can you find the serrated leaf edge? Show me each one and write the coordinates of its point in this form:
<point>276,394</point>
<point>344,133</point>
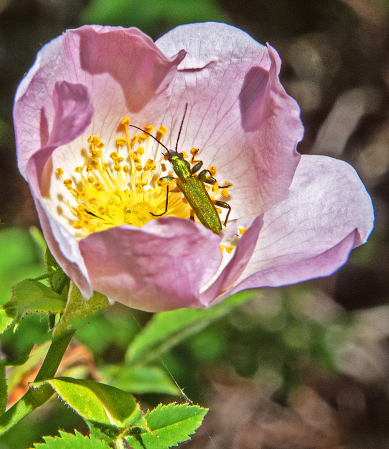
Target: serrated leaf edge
<point>61,437</point>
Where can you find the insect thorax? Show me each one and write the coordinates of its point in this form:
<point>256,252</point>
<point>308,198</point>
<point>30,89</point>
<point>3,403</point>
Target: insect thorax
<point>180,165</point>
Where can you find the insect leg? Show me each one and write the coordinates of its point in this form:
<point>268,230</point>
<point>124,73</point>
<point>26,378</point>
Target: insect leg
<point>208,179</point>
<point>167,201</point>
<point>196,167</point>
<point>225,206</point>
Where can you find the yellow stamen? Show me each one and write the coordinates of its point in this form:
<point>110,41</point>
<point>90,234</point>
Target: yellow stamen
<point>229,249</point>
<point>121,183</point>
<point>212,169</point>
<point>194,152</point>
<point>120,141</point>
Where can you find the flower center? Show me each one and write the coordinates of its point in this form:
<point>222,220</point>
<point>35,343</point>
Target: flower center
<point>128,187</point>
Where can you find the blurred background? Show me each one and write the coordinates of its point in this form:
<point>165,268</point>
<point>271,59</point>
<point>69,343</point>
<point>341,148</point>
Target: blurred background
<point>299,367</point>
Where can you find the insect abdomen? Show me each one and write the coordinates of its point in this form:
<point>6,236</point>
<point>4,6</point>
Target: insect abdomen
<point>198,198</point>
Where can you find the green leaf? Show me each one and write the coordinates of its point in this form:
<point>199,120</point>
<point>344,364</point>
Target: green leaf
<point>77,308</point>
<point>141,379</point>
<point>50,263</point>
<point>97,402</point>
<point>70,441</point>
<point>170,424</point>
<point>166,329</point>
<point>32,330</point>
<point>5,320</point>
<point>59,280</point>
<point>20,358</point>
<point>31,296</point>
<point>106,432</point>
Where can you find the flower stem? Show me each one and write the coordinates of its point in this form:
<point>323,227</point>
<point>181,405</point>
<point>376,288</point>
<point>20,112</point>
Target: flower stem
<point>35,398</point>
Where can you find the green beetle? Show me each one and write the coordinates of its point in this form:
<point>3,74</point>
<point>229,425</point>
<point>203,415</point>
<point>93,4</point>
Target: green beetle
<point>192,186</point>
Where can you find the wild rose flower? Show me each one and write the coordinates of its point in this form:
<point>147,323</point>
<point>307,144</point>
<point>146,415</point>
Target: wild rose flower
<point>100,185</point>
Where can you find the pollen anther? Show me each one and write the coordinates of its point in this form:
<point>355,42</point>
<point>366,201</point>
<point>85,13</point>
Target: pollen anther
<point>212,169</point>
<point>120,141</point>
<point>129,188</point>
<point>125,121</point>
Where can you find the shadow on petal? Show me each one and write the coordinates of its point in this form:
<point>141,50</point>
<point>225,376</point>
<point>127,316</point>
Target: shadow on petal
<point>141,80</point>
<point>253,98</point>
<point>43,127</point>
<point>73,114</point>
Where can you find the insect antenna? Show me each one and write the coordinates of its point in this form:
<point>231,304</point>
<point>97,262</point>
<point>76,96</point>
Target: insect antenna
<point>143,131</point>
<point>182,122</point>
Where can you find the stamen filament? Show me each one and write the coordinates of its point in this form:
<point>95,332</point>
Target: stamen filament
<point>126,190</point>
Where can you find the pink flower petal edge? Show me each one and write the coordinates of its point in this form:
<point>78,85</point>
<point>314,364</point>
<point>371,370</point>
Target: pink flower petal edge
<point>311,233</point>
<point>303,214</point>
<point>160,266</point>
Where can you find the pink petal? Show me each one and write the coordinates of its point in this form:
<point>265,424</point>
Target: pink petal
<point>236,265</point>
<point>327,208</point>
<point>161,266</point>
<point>239,116</point>
<point>121,68</point>
<point>64,248</point>
<point>72,114</point>
<point>323,264</point>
